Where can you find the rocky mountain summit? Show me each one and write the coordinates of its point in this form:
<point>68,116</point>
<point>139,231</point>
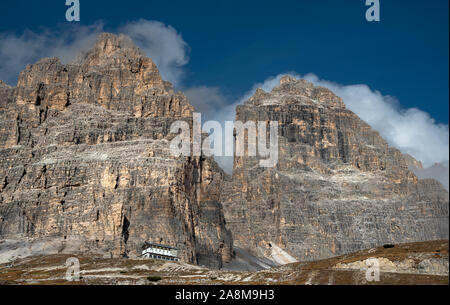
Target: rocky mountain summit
<point>85,167</point>
<point>85,164</point>
<point>337,188</point>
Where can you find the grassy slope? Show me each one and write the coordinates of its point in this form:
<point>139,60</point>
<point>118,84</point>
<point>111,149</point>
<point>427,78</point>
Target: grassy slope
<point>95,270</point>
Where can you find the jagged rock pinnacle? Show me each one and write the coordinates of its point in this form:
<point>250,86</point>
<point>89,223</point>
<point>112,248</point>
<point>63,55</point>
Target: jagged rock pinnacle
<point>114,74</point>
<point>85,162</point>
<point>297,91</point>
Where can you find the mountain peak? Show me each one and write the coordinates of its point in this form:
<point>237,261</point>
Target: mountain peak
<point>114,73</point>
<point>111,49</point>
<point>297,91</point>
<point>110,42</point>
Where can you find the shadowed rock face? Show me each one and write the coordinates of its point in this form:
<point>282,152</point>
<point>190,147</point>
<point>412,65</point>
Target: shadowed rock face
<point>337,188</point>
<point>84,159</point>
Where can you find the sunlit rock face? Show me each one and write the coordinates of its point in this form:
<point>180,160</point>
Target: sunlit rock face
<point>85,167</point>
<point>85,160</point>
<point>337,187</point>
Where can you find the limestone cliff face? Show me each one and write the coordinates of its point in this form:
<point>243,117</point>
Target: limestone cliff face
<point>337,188</point>
<point>85,167</point>
<point>84,158</point>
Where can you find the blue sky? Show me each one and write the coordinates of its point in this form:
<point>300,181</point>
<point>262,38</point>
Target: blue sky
<point>234,44</point>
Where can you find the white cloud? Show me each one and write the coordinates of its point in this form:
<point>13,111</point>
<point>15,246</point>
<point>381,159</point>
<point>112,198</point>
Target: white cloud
<point>211,102</point>
<point>221,108</point>
<point>214,105</point>
<point>160,42</point>
<point>412,130</point>
<point>439,171</point>
<point>17,51</point>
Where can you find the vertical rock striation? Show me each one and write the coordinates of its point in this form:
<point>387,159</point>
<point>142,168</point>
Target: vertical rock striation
<point>337,188</point>
<point>85,166</point>
<point>85,160</point>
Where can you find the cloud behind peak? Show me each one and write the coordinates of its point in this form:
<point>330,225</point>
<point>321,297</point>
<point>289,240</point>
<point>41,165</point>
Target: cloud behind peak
<point>162,43</point>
